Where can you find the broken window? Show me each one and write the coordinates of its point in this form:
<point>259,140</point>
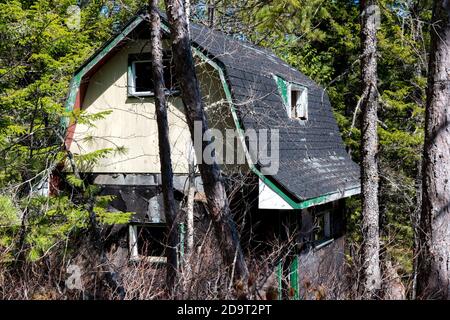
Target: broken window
<point>295,98</point>
<point>140,77</point>
<point>298,102</point>
<point>147,242</point>
<point>322,229</point>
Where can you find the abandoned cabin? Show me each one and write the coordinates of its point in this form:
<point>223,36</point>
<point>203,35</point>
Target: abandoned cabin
<point>243,87</point>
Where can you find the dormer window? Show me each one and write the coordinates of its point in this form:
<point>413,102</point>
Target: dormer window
<point>295,98</point>
<point>140,77</point>
<point>298,102</point>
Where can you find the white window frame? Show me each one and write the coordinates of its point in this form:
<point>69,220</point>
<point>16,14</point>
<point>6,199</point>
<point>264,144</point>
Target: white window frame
<point>132,242</point>
<point>132,81</point>
<point>301,103</point>
<point>133,248</point>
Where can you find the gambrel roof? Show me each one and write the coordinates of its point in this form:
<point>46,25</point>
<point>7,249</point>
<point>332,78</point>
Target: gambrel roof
<point>314,165</point>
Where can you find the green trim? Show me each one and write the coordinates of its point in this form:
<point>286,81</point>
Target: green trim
<point>70,102</point>
<point>293,203</point>
<point>227,91</point>
<point>293,279</point>
<point>76,81</point>
<point>283,88</point>
<point>75,86</point>
<point>314,201</point>
<point>110,46</point>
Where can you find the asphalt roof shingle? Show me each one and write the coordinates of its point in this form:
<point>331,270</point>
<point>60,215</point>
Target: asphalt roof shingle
<point>313,159</point>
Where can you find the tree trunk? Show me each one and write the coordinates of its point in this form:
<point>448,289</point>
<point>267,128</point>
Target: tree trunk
<point>217,201</point>
<point>416,32</point>
<point>187,6</point>
<point>434,254</point>
<point>211,9</point>
<point>369,150</point>
<point>190,211</point>
<point>416,227</point>
<point>170,209</point>
<point>189,257</point>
